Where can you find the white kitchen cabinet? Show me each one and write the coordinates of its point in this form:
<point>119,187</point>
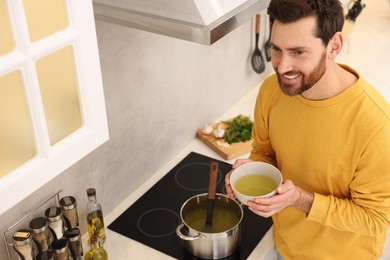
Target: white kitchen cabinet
<point>52,110</point>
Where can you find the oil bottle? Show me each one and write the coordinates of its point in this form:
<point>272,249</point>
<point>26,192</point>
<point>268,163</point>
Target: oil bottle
<point>94,214</point>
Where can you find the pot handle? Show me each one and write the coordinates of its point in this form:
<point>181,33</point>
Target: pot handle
<point>187,238</point>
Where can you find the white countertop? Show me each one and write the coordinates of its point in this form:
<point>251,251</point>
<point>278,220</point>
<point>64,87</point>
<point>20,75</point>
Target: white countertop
<point>121,247</point>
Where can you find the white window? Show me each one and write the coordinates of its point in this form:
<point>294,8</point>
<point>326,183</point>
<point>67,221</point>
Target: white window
<point>52,110</point>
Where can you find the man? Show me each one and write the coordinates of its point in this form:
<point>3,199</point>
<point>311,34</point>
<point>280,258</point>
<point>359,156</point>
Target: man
<point>328,131</point>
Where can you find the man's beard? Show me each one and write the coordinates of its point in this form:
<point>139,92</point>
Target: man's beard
<point>307,81</point>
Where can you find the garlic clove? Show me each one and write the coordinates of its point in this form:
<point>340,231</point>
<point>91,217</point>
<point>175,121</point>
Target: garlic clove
<point>207,129</point>
<point>219,132</point>
<point>223,144</point>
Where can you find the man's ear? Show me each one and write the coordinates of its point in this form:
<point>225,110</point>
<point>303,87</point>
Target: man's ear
<point>335,45</point>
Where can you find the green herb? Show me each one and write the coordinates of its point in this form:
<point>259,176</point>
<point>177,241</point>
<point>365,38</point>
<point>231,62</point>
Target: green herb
<point>238,130</point>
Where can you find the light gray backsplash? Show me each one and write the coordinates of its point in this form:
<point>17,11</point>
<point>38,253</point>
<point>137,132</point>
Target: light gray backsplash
<point>159,91</point>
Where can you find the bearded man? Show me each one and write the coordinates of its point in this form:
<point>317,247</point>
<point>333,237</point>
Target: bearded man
<point>328,131</point>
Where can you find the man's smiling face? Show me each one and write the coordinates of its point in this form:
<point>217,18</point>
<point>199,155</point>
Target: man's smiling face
<point>298,57</point>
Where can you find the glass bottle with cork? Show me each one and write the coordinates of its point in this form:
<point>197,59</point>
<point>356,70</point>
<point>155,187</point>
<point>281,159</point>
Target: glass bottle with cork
<point>94,214</point>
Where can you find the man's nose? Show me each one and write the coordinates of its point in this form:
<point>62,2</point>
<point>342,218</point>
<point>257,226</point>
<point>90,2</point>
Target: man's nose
<point>284,64</point>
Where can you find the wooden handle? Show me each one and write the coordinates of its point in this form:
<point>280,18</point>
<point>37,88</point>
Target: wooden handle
<point>213,180</point>
<point>257,23</point>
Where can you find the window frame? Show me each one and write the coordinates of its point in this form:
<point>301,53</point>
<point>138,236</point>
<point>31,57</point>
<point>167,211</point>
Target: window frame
<point>52,160</point>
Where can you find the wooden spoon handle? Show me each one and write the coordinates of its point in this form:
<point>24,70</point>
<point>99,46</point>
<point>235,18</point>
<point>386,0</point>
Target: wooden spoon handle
<point>213,180</point>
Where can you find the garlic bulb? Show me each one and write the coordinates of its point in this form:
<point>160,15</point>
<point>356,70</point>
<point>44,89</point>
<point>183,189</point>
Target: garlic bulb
<point>207,129</point>
<point>219,132</point>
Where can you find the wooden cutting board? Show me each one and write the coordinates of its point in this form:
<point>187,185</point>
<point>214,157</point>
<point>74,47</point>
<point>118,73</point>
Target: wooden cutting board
<point>219,145</point>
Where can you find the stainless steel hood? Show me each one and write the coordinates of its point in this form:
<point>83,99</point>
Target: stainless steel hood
<point>200,21</point>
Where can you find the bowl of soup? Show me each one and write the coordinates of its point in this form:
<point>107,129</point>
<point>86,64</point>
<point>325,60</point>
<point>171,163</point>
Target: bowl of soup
<point>255,180</point>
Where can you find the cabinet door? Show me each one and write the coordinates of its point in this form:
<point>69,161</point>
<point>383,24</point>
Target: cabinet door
<point>52,110</point>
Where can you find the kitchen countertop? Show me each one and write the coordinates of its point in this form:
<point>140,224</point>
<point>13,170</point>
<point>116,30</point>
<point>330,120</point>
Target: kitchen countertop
<point>121,247</point>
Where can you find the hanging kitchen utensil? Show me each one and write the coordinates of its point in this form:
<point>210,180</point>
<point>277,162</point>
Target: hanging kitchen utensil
<point>355,10</point>
<point>257,57</point>
<point>355,7</point>
<point>211,193</point>
<point>267,44</point>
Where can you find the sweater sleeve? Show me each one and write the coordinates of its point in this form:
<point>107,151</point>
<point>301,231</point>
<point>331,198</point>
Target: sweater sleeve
<point>367,211</point>
<point>261,147</point>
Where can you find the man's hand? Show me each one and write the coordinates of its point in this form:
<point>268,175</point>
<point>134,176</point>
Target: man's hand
<point>288,195</point>
<point>229,190</point>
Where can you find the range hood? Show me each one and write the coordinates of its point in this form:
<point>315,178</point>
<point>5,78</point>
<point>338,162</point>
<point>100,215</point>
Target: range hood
<point>200,21</point>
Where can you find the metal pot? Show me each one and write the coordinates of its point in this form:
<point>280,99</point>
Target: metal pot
<point>217,241</point>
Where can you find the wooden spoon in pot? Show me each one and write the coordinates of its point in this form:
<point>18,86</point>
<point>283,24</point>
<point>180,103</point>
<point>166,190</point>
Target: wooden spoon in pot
<point>212,191</point>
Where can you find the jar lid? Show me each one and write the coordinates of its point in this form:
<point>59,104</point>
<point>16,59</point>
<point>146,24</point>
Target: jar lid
<point>47,255</point>
<point>22,237</point>
<point>72,234</point>
<point>38,225</point>
<point>60,245</point>
<point>68,203</point>
<point>91,192</point>
<point>53,213</point>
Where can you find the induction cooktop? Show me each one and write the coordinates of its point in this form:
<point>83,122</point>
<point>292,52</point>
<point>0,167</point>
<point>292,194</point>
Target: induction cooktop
<point>152,220</point>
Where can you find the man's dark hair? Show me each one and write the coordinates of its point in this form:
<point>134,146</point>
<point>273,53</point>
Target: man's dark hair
<point>329,14</point>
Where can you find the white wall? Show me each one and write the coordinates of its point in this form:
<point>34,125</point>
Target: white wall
<point>159,91</point>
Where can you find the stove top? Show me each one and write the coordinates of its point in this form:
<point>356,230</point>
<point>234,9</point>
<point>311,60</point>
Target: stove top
<point>152,220</point>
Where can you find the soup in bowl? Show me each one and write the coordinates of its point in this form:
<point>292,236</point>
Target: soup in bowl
<point>255,180</point>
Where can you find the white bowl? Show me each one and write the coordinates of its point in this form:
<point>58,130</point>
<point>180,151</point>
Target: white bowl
<point>260,168</point>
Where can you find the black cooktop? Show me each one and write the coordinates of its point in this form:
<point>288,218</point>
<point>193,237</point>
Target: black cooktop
<point>152,220</point>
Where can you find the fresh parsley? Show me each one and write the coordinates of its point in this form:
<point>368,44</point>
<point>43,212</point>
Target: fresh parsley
<point>238,130</point>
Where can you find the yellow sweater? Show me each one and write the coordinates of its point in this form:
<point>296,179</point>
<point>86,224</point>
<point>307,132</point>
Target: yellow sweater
<point>339,149</point>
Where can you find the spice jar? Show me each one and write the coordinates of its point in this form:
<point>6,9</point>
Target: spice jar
<point>69,211</point>
<point>23,244</point>
<point>40,233</point>
<point>74,239</point>
<point>60,249</point>
<point>56,224</point>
